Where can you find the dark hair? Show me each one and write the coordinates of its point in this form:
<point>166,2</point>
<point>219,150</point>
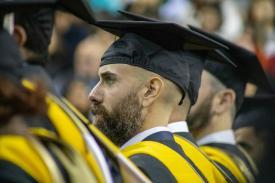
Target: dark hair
<point>38,26</point>
<point>18,100</point>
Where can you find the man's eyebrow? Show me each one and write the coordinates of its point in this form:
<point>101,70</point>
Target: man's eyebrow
<point>107,74</point>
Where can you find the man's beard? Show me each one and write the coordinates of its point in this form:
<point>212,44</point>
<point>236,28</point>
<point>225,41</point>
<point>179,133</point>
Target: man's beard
<point>123,122</point>
<point>200,118</point>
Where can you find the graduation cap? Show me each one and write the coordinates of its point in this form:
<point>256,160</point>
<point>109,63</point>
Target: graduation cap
<point>133,16</point>
<point>37,17</point>
<point>19,5</point>
<point>258,111</point>
<point>160,47</point>
<point>80,8</point>
<point>171,37</point>
<point>248,68</point>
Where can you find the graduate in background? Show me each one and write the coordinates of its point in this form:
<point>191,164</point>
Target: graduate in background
<point>254,129</point>
<point>220,97</point>
<point>25,157</point>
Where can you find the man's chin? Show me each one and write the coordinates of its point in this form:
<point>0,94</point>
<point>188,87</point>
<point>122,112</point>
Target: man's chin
<point>97,119</point>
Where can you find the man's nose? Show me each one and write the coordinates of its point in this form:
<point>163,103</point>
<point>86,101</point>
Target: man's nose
<point>96,95</point>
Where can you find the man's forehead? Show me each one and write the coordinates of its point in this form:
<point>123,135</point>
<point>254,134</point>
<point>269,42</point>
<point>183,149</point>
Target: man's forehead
<point>118,69</point>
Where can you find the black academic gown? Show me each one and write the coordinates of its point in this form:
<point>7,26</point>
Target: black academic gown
<point>210,172</point>
<point>234,151</point>
<point>151,166</point>
<point>33,72</point>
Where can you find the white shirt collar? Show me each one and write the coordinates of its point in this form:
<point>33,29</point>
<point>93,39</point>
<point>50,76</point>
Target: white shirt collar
<point>225,136</point>
<point>142,135</point>
<point>179,126</point>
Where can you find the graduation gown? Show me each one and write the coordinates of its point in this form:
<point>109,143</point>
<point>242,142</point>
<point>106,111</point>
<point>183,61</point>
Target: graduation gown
<point>35,159</point>
<point>69,125</point>
<point>234,160</point>
<point>163,160</point>
<point>209,169</point>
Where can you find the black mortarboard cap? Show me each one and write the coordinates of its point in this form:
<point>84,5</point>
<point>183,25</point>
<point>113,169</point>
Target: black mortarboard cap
<point>80,8</point>
<point>258,112</point>
<point>133,16</point>
<point>195,65</point>
<point>168,37</point>
<point>248,68</point>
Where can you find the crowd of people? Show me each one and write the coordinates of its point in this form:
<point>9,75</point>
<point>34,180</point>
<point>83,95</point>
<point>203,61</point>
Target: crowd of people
<point>160,91</point>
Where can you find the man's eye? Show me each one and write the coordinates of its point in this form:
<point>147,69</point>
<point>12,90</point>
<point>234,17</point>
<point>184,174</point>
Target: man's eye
<point>109,80</point>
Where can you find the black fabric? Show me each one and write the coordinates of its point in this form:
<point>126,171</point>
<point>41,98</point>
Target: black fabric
<point>248,68</point>
<point>258,112</point>
<point>267,166</point>
<point>187,136</point>
<point>153,169</point>
<point>196,67</point>
<point>169,35</point>
<point>80,8</point>
<point>133,16</point>
<point>11,173</point>
<point>23,5</point>
<point>234,150</point>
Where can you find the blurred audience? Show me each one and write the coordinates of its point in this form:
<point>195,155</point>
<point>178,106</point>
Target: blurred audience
<point>77,92</point>
<point>259,34</point>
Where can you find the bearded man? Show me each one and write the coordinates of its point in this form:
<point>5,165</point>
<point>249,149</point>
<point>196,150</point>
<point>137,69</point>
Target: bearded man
<point>144,75</point>
<point>220,97</point>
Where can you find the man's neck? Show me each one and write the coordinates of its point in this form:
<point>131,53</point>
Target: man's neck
<point>216,124</point>
<point>180,113</point>
<point>156,117</point>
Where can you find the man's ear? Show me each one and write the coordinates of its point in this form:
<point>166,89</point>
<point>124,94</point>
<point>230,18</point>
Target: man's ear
<point>20,35</point>
<point>152,91</point>
<point>223,101</point>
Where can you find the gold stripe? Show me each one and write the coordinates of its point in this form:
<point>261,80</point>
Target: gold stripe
<point>224,159</point>
<point>242,166</point>
<point>194,154</point>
